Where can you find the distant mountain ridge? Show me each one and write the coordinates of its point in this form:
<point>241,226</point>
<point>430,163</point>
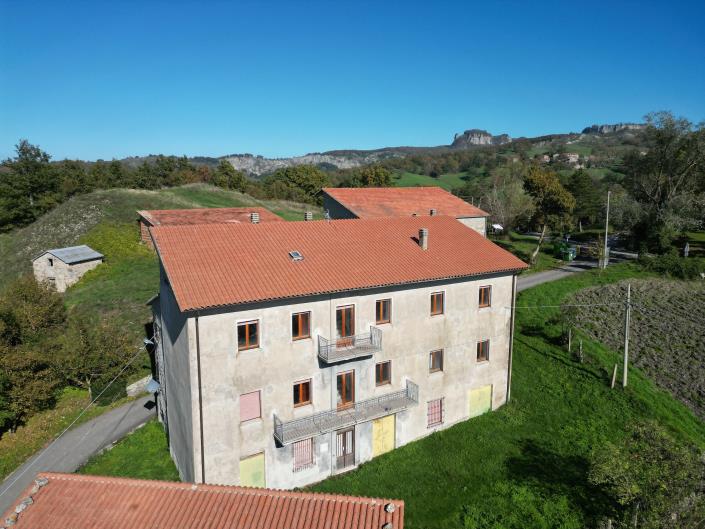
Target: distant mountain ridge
<point>257,166</point>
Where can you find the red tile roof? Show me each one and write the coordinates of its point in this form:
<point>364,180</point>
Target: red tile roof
<point>366,202</point>
<point>162,217</point>
<point>72,501</point>
<point>224,264</point>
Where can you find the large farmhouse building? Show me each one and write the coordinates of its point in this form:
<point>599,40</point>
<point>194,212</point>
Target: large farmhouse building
<point>62,267</point>
<point>291,351</point>
<point>184,217</point>
<point>372,202</point>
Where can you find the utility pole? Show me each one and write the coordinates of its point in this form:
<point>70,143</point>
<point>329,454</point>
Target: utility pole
<point>627,316</point>
<point>607,223</point>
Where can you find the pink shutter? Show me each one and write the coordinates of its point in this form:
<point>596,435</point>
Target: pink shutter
<point>249,406</point>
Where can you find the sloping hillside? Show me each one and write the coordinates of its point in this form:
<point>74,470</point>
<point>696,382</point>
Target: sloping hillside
<point>67,223</point>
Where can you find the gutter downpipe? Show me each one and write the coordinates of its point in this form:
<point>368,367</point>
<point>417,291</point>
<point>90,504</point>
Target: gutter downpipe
<point>200,400</point>
<point>511,337</point>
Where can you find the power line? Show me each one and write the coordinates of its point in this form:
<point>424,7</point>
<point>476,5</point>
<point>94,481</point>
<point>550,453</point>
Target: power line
<point>129,362</point>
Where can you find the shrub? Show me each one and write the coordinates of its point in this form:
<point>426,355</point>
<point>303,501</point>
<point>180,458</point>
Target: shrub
<point>672,265</point>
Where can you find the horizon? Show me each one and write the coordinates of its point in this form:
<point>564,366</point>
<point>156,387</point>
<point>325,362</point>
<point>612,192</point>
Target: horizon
<point>111,81</point>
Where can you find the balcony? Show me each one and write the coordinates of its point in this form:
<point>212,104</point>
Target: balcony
<point>327,421</point>
<point>330,351</point>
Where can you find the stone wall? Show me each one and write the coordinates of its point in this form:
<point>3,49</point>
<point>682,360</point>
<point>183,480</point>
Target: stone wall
<point>57,273</point>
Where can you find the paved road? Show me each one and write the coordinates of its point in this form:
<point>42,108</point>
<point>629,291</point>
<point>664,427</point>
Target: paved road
<point>532,280</point>
<point>76,447</point>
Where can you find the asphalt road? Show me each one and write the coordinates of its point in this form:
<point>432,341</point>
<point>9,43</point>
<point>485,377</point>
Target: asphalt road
<point>532,280</point>
<point>76,447</point>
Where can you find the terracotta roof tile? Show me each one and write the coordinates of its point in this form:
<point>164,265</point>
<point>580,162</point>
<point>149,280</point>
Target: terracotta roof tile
<point>165,217</point>
<point>366,202</point>
<point>92,502</point>
<point>227,264</point>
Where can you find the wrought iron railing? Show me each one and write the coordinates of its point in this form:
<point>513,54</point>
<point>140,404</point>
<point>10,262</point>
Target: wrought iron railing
<point>287,432</point>
<point>350,347</point>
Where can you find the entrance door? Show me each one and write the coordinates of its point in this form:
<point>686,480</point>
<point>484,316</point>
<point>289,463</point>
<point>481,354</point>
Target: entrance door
<point>346,389</point>
<point>345,448</point>
<point>252,471</point>
<point>480,400</point>
<point>383,435</point>
<point>345,325</point>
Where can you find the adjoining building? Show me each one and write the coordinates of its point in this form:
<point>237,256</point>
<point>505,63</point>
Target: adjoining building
<point>288,352</point>
<point>73,501</point>
<point>62,267</point>
<point>372,202</point>
<point>184,217</point>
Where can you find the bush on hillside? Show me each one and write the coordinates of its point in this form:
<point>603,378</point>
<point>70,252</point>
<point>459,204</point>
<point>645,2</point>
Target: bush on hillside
<point>672,265</point>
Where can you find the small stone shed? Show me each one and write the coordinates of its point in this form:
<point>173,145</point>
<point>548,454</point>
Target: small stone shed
<point>62,267</point>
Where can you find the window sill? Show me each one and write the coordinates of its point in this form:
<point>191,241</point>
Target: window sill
<point>253,348</point>
<point>303,405</point>
<point>435,371</point>
<point>256,420</point>
<point>481,362</point>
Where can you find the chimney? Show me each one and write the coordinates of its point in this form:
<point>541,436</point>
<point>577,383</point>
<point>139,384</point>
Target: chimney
<point>254,217</point>
<point>423,238</point>
<point>308,215</point>
<point>433,211</point>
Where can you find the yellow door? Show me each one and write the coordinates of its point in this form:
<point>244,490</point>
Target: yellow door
<point>252,471</point>
<point>480,400</point>
<point>383,435</point>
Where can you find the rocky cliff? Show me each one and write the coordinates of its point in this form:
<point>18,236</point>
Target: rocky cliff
<point>609,129</point>
<point>478,137</point>
<point>258,165</point>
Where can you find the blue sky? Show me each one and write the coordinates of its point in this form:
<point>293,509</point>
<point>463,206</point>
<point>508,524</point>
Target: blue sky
<point>104,79</point>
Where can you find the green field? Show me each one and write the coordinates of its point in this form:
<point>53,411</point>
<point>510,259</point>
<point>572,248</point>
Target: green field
<point>524,465</point>
<point>448,181</point>
<point>523,246</point>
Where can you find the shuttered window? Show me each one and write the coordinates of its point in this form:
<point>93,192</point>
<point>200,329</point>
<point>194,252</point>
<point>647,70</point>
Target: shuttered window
<point>383,309</point>
<point>485,297</point>
<point>301,325</point>
<point>247,335</point>
<point>437,303</point>
<point>250,406</point>
<point>303,454</point>
<point>302,393</point>
<point>383,373</point>
<point>435,412</point>
<point>435,361</point>
<point>483,351</point>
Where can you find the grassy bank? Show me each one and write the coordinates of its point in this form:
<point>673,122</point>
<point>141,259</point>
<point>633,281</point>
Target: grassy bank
<point>523,246</point>
<point>448,181</point>
<point>143,454</point>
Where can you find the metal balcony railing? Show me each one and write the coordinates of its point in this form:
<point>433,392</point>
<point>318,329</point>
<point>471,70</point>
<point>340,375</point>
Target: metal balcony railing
<point>287,432</point>
<point>350,347</point>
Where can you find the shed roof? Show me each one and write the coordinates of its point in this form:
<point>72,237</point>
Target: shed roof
<point>60,501</point>
<point>162,217</point>
<point>215,265</point>
<point>74,254</point>
<point>366,202</point>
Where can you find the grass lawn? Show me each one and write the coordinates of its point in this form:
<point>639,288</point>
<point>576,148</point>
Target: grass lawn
<point>523,246</point>
<point>16,447</point>
<point>525,465</point>
<point>446,181</point>
<point>143,454</point>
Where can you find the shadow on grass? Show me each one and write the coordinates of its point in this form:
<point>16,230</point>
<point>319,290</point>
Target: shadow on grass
<point>560,474</point>
<point>565,360</point>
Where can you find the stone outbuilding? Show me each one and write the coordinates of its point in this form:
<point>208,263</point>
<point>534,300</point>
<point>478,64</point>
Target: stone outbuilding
<point>62,267</point>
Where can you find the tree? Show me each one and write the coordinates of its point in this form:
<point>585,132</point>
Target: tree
<point>506,200</point>
<point>299,181</point>
<point>654,479</point>
<point>371,176</point>
<point>225,175</point>
<point>33,308</point>
<point>28,187</point>
<point>667,179</point>
<point>92,351</point>
<point>589,197</point>
<point>553,203</point>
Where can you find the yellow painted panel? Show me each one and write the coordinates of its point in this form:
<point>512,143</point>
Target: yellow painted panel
<point>383,435</point>
<point>252,471</point>
<point>480,400</point>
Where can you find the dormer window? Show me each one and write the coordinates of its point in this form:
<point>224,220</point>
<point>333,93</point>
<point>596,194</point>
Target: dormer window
<point>296,255</point>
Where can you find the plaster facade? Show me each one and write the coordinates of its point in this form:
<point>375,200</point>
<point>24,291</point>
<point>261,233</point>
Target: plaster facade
<point>201,359</point>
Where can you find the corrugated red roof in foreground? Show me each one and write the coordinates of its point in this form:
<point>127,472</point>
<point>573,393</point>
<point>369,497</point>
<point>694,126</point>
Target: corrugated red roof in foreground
<point>366,202</point>
<point>157,217</point>
<point>225,264</point>
<point>72,501</point>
